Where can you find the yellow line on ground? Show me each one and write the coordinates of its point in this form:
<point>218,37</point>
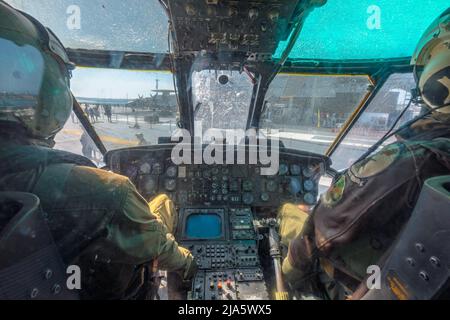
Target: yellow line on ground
<point>104,138</point>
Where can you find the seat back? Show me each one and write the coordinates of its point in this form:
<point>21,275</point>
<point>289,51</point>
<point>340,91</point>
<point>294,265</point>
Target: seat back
<point>31,266</point>
<point>418,266</point>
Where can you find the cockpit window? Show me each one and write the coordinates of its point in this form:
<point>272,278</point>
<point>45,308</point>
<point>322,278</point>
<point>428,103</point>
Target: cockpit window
<point>221,99</point>
<point>139,26</point>
<point>308,111</point>
<point>126,108</point>
<point>377,119</point>
<point>364,29</point>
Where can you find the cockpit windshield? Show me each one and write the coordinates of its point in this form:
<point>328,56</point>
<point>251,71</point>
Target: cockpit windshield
<point>307,111</point>
<point>221,99</point>
<point>136,26</point>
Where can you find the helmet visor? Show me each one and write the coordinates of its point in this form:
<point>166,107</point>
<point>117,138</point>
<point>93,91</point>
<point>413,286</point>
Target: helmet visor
<point>22,69</point>
<point>34,88</point>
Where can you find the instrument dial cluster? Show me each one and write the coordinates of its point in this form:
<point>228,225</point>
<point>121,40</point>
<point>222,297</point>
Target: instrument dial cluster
<point>234,185</point>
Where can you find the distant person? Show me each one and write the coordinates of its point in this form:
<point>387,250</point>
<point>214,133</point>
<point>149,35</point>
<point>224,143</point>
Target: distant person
<point>136,124</point>
<point>86,110</point>
<point>141,139</point>
<point>96,112</point>
<point>108,112</point>
<point>92,114</point>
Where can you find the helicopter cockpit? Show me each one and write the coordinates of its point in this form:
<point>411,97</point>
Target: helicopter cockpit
<point>233,109</point>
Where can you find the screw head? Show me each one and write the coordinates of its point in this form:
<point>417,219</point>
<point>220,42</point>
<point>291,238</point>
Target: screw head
<point>48,274</point>
<point>420,247</point>
<point>411,261</point>
<point>56,289</point>
<point>435,261</point>
<point>34,293</point>
<point>424,276</point>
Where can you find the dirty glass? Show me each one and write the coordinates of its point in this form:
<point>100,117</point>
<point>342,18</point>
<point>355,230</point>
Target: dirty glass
<point>377,119</point>
<point>74,138</point>
<point>364,29</point>
<point>126,108</point>
<point>132,25</point>
<point>221,99</point>
<point>306,112</point>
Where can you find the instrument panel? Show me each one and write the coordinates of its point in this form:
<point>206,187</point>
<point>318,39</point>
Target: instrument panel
<point>255,26</point>
<point>218,205</point>
<point>153,172</point>
<point>224,243</point>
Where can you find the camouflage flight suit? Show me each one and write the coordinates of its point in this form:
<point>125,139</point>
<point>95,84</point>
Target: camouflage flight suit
<point>97,218</point>
<point>359,217</point>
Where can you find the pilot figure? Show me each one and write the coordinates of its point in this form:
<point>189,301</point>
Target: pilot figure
<point>97,219</point>
<point>362,213</point>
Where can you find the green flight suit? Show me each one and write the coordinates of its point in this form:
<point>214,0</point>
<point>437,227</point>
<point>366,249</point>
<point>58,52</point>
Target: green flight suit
<point>359,217</point>
<point>98,220</point>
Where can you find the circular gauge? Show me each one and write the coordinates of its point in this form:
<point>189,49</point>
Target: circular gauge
<point>148,185</point>
<point>272,186</point>
<point>308,185</point>
<point>294,186</point>
<point>308,171</point>
<point>145,168</point>
<point>172,171</point>
<point>247,185</point>
<point>265,196</point>
<point>225,171</point>
<point>283,169</point>
<point>157,168</point>
<point>247,198</point>
<point>309,198</point>
<point>215,171</point>
<point>170,184</point>
<point>295,169</point>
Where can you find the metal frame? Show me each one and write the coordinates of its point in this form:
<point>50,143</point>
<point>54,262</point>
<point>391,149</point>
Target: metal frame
<point>88,126</point>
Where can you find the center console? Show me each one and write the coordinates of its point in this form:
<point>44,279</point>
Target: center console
<point>224,243</point>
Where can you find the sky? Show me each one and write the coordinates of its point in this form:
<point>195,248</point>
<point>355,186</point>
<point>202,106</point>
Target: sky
<point>117,84</point>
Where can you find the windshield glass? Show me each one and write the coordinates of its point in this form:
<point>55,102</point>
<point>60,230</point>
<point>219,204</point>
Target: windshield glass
<point>364,29</point>
<point>377,119</point>
<point>221,99</point>
<point>126,108</point>
<point>307,111</point>
<point>135,25</point>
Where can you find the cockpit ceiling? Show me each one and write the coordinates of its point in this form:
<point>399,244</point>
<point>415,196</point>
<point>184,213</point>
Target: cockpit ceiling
<point>340,30</point>
<point>249,27</point>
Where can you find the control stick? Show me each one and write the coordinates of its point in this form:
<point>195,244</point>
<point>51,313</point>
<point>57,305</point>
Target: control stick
<point>275,254</point>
